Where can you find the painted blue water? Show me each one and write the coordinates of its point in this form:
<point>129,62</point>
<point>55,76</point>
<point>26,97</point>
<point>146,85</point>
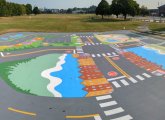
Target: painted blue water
<point>71,83</point>
<point>149,54</point>
<point>12,37</point>
<point>111,40</point>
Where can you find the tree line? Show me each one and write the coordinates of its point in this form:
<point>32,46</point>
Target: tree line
<point>118,7</point>
<point>14,9</point>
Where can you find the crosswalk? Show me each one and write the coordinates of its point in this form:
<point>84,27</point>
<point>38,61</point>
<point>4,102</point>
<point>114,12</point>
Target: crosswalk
<point>112,109</point>
<point>123,81</point>
<point>89,44</point>
<point>113,54</point>
<point>87,36</point>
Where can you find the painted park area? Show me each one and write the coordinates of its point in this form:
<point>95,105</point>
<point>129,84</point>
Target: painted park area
<point>116,38</point>
<point>56,75</point>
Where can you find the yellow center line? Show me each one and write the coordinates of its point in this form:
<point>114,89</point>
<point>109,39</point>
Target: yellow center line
<point>34,52</point>
<point>117,67</point>
<point>22,112</point>
<point>82,116</point>
<point>90,40</point>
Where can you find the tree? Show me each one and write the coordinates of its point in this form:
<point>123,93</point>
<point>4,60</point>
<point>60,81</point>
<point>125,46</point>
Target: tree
<point>102,8</point>
<point>144,11</point>
<point>28,9</point>
<point>115,7</point>
<point>36,10</point>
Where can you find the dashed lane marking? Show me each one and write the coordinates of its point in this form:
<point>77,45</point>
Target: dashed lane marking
<point>126,117</point>
<point>146,75</point>
<point>124,82</point>
<point>114,111</point>
<point>107,104</point>
<point>140,77</point>
<point>22,112</point>
<point>116,84</point>
<point>103,97</point>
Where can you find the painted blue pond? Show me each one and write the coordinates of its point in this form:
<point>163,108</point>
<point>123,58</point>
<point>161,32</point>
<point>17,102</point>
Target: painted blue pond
<point>150,54</point>
<point>19,35</point>
<point>71,83</point>
<point>111,40</point>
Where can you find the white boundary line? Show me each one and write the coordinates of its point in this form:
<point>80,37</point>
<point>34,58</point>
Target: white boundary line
<point>112,79</point>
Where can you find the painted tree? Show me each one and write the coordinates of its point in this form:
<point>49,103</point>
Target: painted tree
<point>102,8</point>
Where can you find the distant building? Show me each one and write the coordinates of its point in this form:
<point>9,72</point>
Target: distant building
<point>153,12</point>
<point>78,11</point>
<point>162,10</point>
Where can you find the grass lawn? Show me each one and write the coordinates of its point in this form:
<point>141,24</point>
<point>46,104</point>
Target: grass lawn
<point>63,23</point>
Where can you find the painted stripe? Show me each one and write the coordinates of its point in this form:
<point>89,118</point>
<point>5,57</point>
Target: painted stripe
<point>139,77</point>
<point>113,53</point>
<point>2,54</point>
<point>116,78</point>
<point>93,55</point>
<point>103,97</point>
<point>114,111</point>
<point>132,80</point>
<point>104,54</point>
<point>93,44</point>
<point>74,51</point>
<point>117,67</point>
<point>146,75</point>
<point>107,104</point>
<point>124,82</point>
<point>97,43</point>
<point>108,53</point>
<point>97,118</point>
<point>82,116</point>
<point>22,112</point>
<point>126,117</point>
<point>22,54</point>
<point>116,84</point>
<point>89,44</point>
<point>98,55</point>
<point>80,52</point>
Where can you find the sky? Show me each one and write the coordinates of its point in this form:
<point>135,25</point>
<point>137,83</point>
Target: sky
<point>64,4</point>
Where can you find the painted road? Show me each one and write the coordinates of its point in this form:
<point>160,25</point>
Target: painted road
<point>120,83</point>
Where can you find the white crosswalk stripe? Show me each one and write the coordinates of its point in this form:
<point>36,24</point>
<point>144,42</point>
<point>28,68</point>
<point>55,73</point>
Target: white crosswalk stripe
<point>108,53</point>
<point>97,118</point>
<point>104,54</point>
<point>103,97</point>
<point>93,55</point>
<point>116,84</point>
<point>126,117</point>
<point>113,53</point>
<point>114,111</point>
<point>107,104</point>
<point>140,77</point>
<point>146,75</point>
<point>98,55</point>
<point>124,82</point>
<point>132,80</point>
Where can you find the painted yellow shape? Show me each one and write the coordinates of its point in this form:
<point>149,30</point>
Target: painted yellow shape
<point>117,67</point>
<point>22,112</point>
<point>3,47</point>
<point>82,116</point>
<point>88,61</point>
<point>98,93</point>
<point>95,82</point>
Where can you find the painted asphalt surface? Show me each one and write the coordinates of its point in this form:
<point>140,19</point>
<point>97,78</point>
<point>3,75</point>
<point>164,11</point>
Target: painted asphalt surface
<point>140,98</point>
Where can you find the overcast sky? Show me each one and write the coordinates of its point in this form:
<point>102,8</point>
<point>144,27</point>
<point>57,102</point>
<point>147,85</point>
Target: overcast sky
<point>64,4</point>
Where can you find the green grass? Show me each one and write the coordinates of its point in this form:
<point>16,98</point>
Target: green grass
<point>157,26</point>
<point>64,23</point>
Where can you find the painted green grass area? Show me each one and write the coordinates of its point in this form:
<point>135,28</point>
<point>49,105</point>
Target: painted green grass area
<point>64,23</point>
<point>23,47</point>
<point>161,49</point>
<point>25,75</point>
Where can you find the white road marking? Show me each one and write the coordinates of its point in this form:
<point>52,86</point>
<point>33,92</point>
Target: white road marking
<point>113,53</point>
<point>93,55</point>
<point>89,44</point>
<point>104,54</point>
<point>107,104</point>
<point>113,111</point>
<point>103,97</point>
<point>124,82</point>
<point>98,55</point>
<point>116,78</point>
<point>97,118</point>
<point>85,44</point>
<point>93,44</point>
<point>116,84</point>
<point>108,53</point>
<point>74,51</point>
<point>80,52</point>
<point>140,77</point>
<point>146,75</point>
<point>2,54</point>
<point>126,117</point>
<point>101,43</point>
<point>132,80</point>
